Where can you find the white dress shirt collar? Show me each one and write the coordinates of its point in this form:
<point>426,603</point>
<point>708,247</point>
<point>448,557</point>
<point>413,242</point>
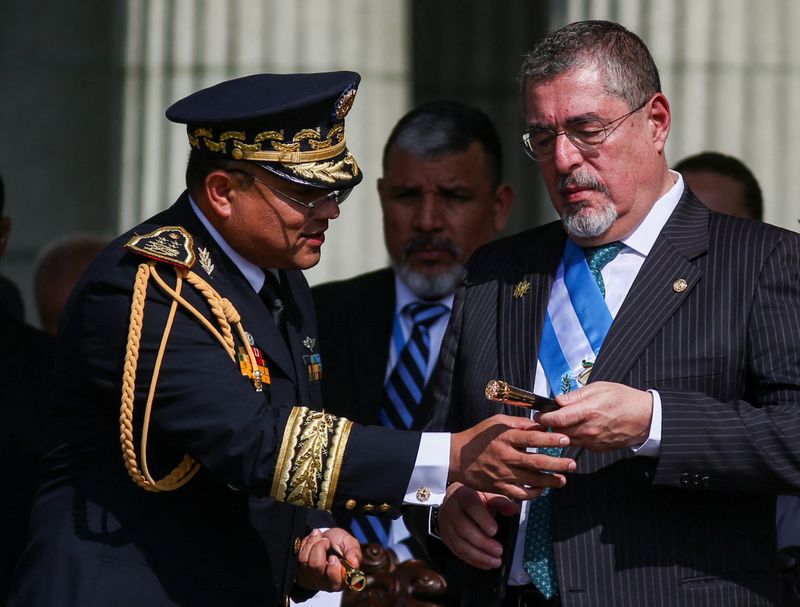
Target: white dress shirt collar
<point>252,273</point>
<point>644,236</point>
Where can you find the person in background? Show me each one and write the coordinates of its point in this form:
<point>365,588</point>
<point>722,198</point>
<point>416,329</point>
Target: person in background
<point>26,360</point>
<point>723,183</point>
<point>441,196</point>
<point>669,338</point>
<point>57,270</point>
<point>10,297</point>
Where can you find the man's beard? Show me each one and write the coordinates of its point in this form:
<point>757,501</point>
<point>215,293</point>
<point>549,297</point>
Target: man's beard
<point>426,286</point>
<point>579,219</point>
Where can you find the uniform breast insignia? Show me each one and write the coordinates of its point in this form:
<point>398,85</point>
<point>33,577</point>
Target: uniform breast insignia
<point>246,365</point>
<point>312,360</point>
<point>205,261</point>
<point>314,366</point>
<point>522,288</point>
<point>170,244</point>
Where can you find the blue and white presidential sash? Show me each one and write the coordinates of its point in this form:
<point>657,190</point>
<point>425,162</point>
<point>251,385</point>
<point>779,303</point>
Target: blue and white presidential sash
<point>575,325</point>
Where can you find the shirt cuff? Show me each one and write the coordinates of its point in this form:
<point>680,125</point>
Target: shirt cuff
<point>428,481</point>
<point>652,446</point>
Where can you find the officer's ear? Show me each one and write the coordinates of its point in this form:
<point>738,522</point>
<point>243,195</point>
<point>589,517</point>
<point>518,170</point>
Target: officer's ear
<point>220,190</point>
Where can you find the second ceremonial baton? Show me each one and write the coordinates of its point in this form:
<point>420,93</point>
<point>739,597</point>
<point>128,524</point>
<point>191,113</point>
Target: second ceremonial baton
<point>352,577</point>
<point>502,392</point>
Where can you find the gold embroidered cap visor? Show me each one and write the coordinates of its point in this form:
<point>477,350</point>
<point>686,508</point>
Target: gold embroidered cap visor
<point>291,124</point>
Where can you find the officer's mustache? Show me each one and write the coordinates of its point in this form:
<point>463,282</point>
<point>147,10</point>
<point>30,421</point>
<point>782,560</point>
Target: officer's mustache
<point>429,242</point>
<point>581,180</point>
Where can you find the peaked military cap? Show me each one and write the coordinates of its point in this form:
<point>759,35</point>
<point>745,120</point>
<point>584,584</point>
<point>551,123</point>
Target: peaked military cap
<point>291,124</point>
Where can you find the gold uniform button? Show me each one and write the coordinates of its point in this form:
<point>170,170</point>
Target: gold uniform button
<point>384,508</point>
<point>679,286</point>
<point>350,504</point>
<point>368,508</point>
<point>423,494</point>
<point>297,543</point>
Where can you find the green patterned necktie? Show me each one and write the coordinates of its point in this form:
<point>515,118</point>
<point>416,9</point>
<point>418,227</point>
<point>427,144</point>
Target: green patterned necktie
<point>598,257</point>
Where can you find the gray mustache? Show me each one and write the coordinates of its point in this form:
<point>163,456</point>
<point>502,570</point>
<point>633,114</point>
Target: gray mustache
<point>581,180</point>
<point>428,240</point>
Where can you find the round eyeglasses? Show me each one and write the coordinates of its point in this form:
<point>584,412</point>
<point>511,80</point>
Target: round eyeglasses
<point>586,135</point>
<point>337,196</point>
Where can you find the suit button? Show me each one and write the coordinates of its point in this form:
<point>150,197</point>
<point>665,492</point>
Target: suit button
<point>368,508</point>
<point>297,543</point>
<point>350,504</point>
<point>705,481</point>
<point>384,508</point>
<point>684,479</point>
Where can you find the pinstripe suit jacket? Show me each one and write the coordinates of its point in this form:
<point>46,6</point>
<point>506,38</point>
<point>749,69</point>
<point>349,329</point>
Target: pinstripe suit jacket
<point>696,525</point>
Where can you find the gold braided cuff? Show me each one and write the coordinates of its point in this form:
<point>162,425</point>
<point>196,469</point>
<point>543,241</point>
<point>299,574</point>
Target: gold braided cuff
<point>310,459</point>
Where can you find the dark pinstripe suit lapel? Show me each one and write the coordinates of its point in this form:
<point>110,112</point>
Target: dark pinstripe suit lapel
<point>653,299</point>
<point>521,316</point>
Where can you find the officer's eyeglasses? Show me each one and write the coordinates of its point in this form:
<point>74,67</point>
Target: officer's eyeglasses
<point>337,196</point>
<point>586,135</point>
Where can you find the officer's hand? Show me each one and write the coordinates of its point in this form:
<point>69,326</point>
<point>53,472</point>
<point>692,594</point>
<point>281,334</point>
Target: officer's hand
<point>467,524</point>
<point>491,457</point>
<point>316,569</point>
<point>602,416</point>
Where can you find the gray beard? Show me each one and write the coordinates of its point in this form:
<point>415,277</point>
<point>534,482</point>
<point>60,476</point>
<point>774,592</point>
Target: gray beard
<point>430,287</point>
<point>589,225</point>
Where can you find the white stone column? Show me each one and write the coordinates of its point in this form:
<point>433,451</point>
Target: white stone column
<point>175,47</point>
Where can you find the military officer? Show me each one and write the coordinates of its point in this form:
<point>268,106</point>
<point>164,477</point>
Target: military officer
<point>191,462</point>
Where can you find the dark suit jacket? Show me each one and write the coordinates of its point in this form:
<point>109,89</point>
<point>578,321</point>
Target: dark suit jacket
<point>355,319</point>
<point>696,525</point>
<point>98,539</point>
<point>26,361</point>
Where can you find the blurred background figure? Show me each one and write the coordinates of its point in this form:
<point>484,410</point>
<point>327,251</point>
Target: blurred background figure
<point>58,268</point>
<point>26,359</point>
<point>724,184</point>
<point>10,298</point>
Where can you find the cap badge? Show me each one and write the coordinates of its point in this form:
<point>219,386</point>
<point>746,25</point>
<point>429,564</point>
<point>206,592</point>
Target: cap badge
<point>344,102</point>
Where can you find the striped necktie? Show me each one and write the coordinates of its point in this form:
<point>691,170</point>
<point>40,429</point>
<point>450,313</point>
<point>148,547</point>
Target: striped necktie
<point>403,393</point>
<point>407,380</point>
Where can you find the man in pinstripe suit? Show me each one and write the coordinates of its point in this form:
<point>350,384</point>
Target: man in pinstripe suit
<point>679,390</point>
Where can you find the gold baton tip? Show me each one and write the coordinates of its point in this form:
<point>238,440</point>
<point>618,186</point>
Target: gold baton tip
<point>352,577</point>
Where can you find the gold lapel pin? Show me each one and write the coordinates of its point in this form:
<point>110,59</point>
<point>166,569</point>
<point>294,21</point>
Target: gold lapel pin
<point>523,286</point>
<point>680,285</point>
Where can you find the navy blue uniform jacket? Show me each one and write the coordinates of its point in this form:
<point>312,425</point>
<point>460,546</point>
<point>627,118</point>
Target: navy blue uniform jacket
<point>98,539</point>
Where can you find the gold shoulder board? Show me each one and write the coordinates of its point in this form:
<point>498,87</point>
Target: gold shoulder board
<point>170,244</point>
